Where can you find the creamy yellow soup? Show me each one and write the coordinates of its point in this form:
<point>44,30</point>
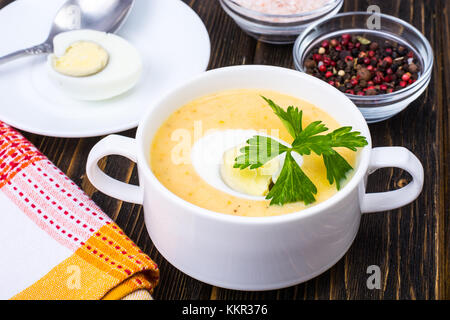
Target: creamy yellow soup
<point>236,109</point>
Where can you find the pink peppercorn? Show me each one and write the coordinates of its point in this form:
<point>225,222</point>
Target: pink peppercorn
<point>346,37</point>
<point>388,60</point>
<point>377,80</point>
<point>406,76</point>
<point>317,57</point>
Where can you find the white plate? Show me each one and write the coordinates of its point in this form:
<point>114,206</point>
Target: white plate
<point>171,37</point>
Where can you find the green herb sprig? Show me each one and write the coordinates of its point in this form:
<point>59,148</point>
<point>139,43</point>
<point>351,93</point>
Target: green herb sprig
<point>293,185</point>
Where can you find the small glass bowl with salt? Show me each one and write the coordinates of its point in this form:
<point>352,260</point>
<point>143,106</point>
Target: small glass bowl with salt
<point>278,21</point>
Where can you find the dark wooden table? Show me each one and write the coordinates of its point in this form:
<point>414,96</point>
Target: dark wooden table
<point>410,245</point>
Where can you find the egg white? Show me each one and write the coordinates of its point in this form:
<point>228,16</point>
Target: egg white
<point>122,72</point>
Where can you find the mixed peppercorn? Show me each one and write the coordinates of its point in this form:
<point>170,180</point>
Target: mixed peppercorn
<point>356,65</point>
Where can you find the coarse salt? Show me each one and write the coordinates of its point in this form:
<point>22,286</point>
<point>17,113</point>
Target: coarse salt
<point>282,7</point>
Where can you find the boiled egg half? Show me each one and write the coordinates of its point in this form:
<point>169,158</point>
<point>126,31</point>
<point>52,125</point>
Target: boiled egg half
<point>94,65</point>
<point>213,157</point>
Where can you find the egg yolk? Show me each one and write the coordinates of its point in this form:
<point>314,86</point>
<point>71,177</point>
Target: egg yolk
<point>81,59</point>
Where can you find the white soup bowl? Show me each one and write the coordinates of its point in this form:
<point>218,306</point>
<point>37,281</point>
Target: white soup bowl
<point>247,253</point>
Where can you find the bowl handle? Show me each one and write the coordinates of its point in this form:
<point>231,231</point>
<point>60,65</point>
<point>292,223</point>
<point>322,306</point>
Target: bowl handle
<point>397,157</point>
<point>114,145</point>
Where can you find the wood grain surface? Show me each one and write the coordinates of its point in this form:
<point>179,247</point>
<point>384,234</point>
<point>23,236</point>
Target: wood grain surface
<point>411,245</point>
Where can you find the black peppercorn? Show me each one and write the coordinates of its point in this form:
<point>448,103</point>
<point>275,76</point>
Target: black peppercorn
<point>344,54</point>
<point>374,46</point>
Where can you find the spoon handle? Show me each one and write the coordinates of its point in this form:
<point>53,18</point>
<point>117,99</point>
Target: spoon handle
<point>36,50</point>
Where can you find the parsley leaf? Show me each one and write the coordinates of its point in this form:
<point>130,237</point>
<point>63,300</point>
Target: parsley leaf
<point>293,185</point>
<point>258,152</point>
<point>337,168</point>
<point>291,118</point>
<point>308,140</point>
<point>345,137</point>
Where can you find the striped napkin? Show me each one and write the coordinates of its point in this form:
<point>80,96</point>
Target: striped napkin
<point>55,243</point>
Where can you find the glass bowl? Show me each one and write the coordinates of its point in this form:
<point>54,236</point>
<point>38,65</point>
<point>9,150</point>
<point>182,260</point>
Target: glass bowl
<point>380,107</point>
<point>277,28</point>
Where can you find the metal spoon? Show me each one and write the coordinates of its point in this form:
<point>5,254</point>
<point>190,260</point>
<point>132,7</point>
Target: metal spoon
<point>101,15</point>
